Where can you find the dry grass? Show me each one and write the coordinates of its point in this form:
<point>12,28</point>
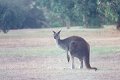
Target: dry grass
<point>33,55</point>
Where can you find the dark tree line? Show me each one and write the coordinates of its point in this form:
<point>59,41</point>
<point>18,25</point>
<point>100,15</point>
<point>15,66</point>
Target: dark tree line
<point>18,14</point>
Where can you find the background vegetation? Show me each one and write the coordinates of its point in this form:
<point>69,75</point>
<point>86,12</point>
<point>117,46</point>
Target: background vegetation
<point>18,14</point>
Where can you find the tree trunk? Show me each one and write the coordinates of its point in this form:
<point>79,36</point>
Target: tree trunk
<point>118,23</point>
<point>85,21</point>
<point>68,24</point>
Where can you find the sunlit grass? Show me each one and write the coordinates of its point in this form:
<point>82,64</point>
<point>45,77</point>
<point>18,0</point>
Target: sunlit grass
<point>105,50</point>
<point>52,50</point>
<point>31,51</point>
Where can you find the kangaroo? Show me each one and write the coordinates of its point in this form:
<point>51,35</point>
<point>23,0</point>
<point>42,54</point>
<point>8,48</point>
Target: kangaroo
<point>77,47</point>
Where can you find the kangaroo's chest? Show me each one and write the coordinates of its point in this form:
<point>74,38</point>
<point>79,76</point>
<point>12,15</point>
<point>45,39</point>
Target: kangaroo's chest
<point>64,45</point>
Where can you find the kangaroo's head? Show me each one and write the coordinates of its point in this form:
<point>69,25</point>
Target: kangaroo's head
<point>57,35</point>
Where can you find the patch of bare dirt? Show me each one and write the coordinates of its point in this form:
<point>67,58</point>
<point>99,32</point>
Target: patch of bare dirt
<point>57,68</point>
<point>28,42</point>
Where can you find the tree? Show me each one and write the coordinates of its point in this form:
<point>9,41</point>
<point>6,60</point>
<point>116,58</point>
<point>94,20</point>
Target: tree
<point>15,14</point>
<point>115,5</point>
<point>110,9</point>
<point>91,15</point>
<point>35,18</point>
<point>3,9</point>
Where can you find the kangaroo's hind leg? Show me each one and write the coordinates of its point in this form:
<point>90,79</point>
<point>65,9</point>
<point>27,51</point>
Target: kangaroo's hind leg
<point>73,66</point>
<point>81,61</point>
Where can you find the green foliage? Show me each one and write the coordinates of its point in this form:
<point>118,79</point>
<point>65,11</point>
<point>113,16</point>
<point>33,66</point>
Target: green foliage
<point>19,14</point>
<point>16,14</point>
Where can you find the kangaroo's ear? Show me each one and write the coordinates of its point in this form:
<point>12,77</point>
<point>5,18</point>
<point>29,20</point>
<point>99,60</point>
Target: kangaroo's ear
<point>54,32</point>
<point>59,32</point>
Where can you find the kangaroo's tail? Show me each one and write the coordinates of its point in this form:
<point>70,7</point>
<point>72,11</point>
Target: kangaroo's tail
<point>87,64</point>
<point>87,60</point>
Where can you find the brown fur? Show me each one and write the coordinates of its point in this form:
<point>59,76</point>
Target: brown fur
<point>77,47</point>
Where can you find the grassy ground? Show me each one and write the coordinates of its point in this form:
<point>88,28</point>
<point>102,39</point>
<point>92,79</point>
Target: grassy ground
<point>33,55</point>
